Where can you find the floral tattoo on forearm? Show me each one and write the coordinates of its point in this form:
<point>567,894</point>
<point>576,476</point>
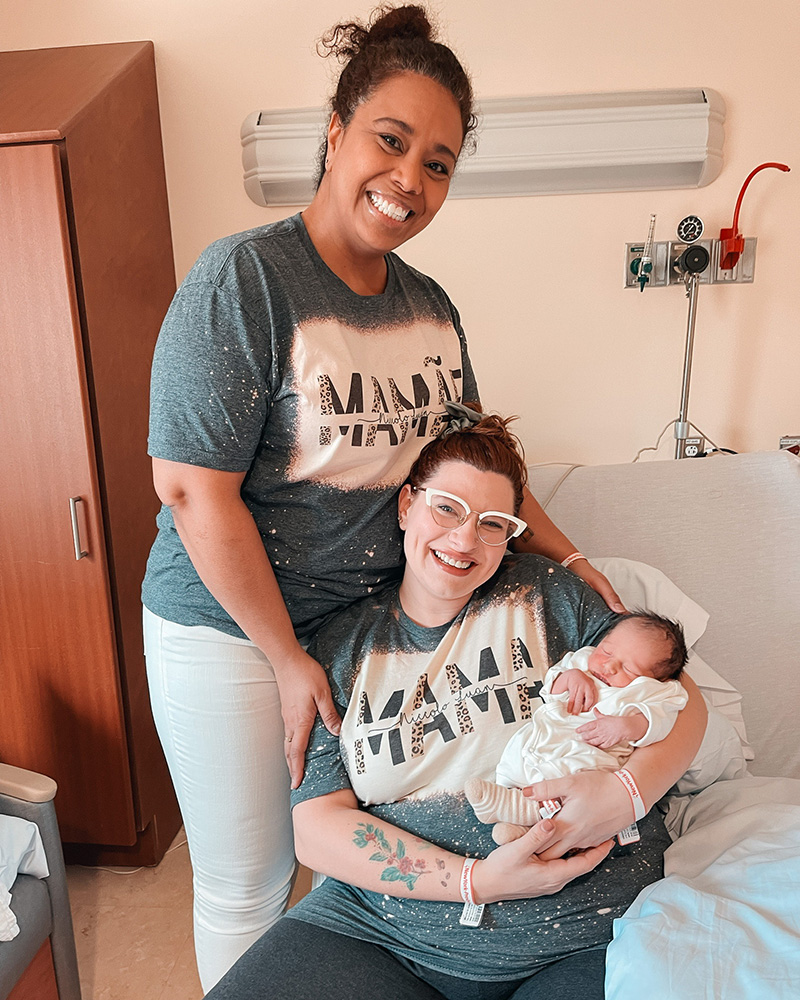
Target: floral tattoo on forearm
<point>398,866</point>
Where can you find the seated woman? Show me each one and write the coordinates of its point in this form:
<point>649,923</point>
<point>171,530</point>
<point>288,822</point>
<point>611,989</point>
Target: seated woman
<point>431,679</point>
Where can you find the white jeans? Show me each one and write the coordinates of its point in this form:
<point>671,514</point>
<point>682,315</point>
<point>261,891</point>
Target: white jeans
<point>217,710</point>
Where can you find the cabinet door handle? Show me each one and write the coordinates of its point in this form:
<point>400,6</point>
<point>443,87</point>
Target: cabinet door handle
<point>76,531</point>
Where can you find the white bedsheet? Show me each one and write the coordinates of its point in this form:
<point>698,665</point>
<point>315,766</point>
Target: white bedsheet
<point>725,921</point>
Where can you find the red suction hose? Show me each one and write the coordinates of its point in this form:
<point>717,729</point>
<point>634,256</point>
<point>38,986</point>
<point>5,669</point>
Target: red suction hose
<point>731,240</point>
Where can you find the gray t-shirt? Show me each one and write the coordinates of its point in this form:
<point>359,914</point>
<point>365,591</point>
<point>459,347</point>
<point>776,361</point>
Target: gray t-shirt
<point>267,363</point>
<point>423,709</point>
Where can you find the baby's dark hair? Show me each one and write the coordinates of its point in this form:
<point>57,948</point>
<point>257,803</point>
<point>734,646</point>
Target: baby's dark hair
<point>394,40</point>
<point>671,667</point>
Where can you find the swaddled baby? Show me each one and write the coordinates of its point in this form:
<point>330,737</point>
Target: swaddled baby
<point>599,703</point>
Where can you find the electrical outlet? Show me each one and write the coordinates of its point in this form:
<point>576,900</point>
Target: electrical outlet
<point>694,446</point>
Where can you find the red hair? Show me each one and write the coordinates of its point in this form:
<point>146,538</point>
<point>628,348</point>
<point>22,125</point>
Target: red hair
<point>487,445</point>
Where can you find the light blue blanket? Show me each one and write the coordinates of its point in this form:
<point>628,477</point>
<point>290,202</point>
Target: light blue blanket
<point>725,921</point>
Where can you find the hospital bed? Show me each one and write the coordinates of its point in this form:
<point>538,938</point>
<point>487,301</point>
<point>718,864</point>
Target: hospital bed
<point>716,543</point>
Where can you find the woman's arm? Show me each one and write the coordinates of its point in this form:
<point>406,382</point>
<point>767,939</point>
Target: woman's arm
<point>658,766</point>
<point>225,547</point>
<point>335,837</point>
<point>543,538</point>
<point>596,805</point>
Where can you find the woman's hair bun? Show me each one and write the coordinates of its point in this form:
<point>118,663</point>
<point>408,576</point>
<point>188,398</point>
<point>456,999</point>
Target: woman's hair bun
<point>386,23</point>
<point>484,442</point>
<point>409,21</point>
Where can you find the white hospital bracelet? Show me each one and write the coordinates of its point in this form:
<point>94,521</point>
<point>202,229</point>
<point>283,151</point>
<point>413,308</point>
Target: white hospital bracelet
<point>465,884</point>
<point>629,782</point>
<point>566,563</point>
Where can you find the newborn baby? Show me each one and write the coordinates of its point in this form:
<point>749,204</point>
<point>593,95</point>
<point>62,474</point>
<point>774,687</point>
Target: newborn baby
<point>599,703</point>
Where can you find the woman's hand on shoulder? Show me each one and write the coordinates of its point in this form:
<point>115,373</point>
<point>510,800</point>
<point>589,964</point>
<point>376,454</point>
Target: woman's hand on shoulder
<point>305,693</point>
<point>517,871</point>
<point>584,569</point>
<point>595,806</point>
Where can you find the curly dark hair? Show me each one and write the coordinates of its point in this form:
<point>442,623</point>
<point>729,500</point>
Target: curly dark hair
<point>393,40</point>
<point>671,667</point>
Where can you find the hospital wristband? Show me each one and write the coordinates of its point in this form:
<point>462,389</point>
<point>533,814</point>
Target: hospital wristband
<point>632,788</point>
<point>574,557</point>
<point>465,882</point>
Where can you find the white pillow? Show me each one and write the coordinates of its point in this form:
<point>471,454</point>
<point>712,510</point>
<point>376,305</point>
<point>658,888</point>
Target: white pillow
<point>719,758</point>
<point>721,695</point>
<point>643,586</point>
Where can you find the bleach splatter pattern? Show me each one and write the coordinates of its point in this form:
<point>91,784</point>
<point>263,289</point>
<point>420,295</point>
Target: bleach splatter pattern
<point>270,366</point>
<point>406,749</point>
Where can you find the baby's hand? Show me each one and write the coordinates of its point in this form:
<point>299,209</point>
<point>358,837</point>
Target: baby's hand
<point>608,730</point>
<point>582,691</point>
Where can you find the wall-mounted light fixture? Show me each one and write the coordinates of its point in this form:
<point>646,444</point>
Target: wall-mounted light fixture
<point>568,144</point>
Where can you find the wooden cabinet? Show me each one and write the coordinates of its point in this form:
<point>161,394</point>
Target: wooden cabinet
<point>86,275</point>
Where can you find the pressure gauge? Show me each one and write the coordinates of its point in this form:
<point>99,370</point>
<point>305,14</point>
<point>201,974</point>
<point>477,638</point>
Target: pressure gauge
<point>690,229</point>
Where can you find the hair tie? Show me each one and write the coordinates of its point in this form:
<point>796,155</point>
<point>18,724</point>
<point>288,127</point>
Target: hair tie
<point>461,418</point>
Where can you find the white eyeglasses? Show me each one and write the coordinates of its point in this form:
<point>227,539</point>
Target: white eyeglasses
<point>450,511</point>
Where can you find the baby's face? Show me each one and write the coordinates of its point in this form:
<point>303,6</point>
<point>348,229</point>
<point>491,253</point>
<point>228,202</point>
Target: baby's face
<point>627,652</point>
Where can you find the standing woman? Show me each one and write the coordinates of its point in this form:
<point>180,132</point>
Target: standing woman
<point>300,370</point>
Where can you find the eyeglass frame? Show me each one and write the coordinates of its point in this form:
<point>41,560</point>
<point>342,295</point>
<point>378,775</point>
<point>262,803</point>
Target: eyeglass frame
<point>431,492</point>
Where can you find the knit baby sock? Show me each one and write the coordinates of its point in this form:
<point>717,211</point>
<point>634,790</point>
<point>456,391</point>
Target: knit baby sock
<point>493,803</point>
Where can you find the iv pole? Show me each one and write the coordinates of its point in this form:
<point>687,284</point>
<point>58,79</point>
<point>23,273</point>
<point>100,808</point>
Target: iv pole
<point>682,423</point>
<point>691,264</point>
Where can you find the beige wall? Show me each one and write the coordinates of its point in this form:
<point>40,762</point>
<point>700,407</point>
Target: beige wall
<point>594,371</point>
